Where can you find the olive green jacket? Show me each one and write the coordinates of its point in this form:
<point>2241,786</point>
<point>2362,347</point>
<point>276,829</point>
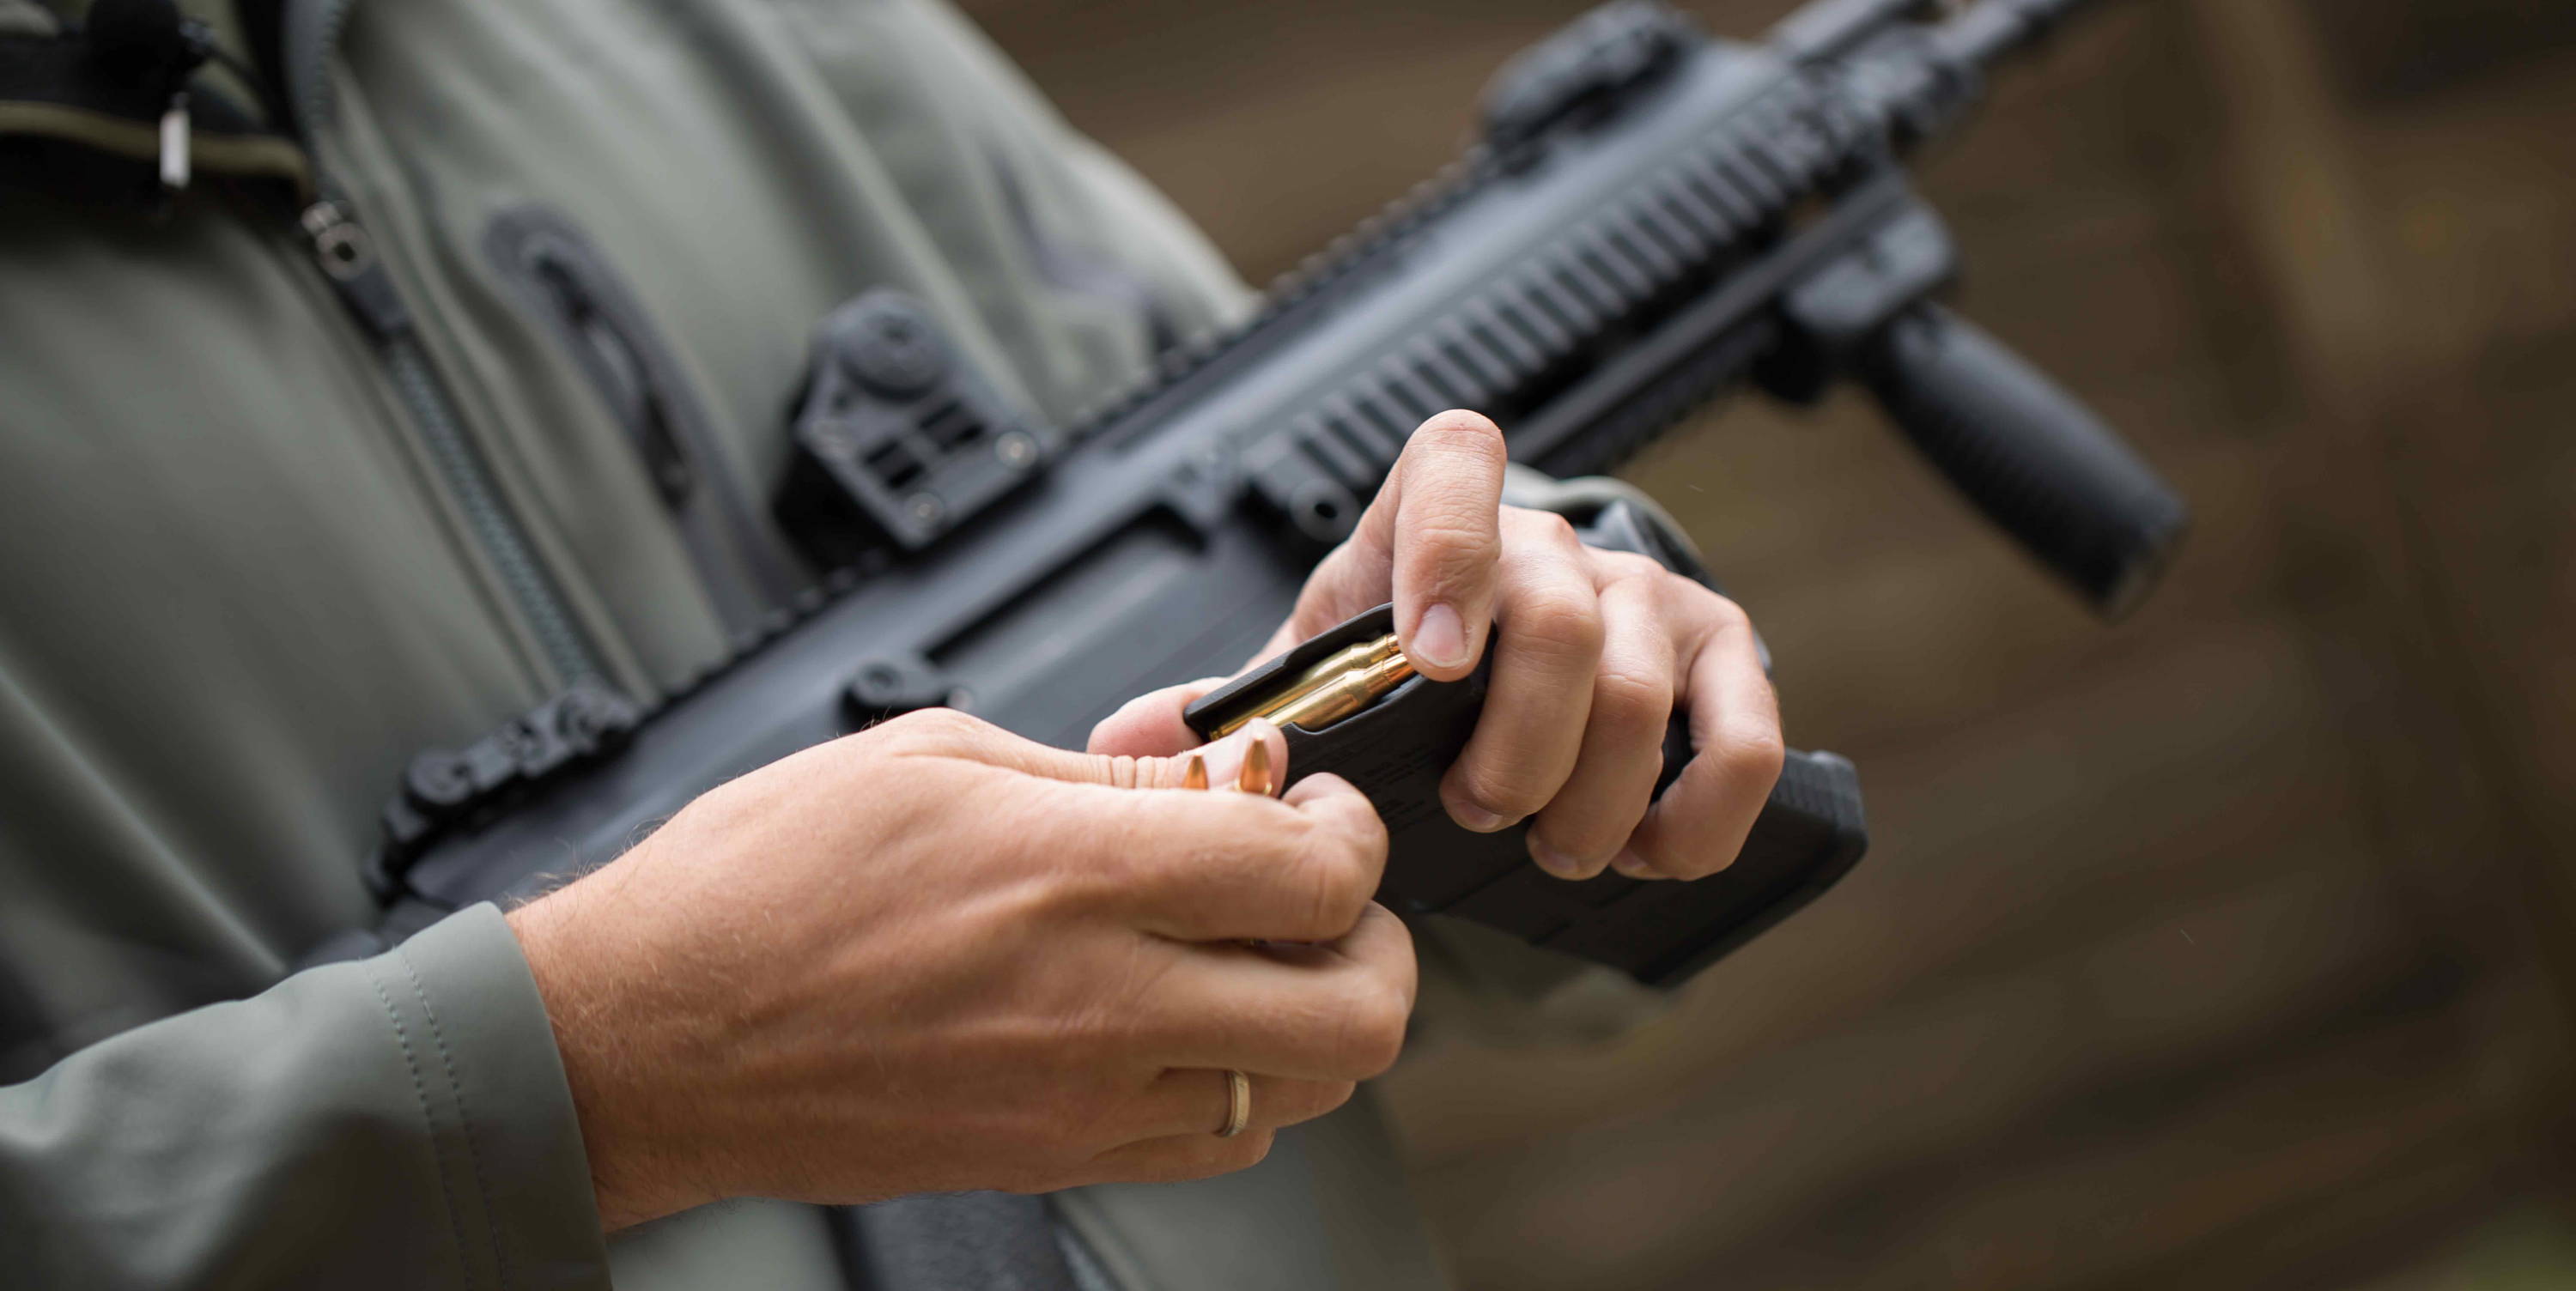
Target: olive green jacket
<point>257,552</point>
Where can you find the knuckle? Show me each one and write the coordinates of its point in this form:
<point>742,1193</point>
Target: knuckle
<point>1206,1156</point>
<point>1402,969</point>
<point>1680,862</point>
<point>933,728</point>
<point>1629,567</point>
<point>1562,623</point>
<point>1512,788</point>
<point>1697,860</point>
<point>1338,879</point>
<point>1243,1152</point>
<point>1328,1095</point>
<point>1590,842</point>
<point>1346,822</point>
<point>1752,759</point>
<point>1373,1025</point>
<point>1730,617</point>
<point>1630,700</point>
<point>1559,532</point>
<point>1536,528</point>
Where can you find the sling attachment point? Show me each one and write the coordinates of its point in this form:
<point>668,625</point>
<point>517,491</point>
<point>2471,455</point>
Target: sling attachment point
<point>450,790</point>
<point>898,441</point>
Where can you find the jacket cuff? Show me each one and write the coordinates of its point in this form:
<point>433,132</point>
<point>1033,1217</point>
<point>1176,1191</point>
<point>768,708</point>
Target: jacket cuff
<point>505,1137</point>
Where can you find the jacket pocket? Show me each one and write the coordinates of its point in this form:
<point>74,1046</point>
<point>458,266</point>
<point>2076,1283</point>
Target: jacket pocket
<point>560,277</point>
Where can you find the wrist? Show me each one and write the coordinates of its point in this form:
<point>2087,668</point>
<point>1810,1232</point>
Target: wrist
<point>638,1164</point>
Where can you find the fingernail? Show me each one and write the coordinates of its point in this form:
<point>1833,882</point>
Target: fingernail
<point>1476,818</point>
<point>1554,861</point>
<point>1440,639</point>
<point>1634,866</point>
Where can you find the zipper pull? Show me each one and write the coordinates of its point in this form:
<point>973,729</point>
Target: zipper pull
<point>340,243</point>
<point>347,254</point>
<point>174,145</point>
<point>151,45</point>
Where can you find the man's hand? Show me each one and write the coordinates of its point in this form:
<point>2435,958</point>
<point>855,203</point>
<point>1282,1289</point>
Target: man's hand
<point>1593,651</point>
<point>934,956</point>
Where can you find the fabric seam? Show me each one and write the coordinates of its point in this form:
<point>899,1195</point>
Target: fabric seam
<point>465,1126</point>
<point>428,1123</point>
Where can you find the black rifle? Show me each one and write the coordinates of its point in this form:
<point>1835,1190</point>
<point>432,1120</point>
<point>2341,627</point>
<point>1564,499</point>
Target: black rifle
<point>1650,218</point>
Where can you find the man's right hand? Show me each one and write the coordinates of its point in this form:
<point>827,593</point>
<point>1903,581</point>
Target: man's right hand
<point>934,956</point>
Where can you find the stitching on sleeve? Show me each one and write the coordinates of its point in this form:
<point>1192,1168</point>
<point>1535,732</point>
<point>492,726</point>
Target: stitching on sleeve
<point>402,1037</point>
<point>473,1158</point>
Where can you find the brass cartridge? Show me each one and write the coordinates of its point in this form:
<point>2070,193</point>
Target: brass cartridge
<point>1341,684</point>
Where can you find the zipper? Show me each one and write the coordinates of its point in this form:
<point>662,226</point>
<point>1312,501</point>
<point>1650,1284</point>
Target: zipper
<point>346,253</point>
<point>342,246</point>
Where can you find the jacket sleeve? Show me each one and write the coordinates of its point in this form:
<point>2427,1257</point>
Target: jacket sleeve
<point>401,1121</point>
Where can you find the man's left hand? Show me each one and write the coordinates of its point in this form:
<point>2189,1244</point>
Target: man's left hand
<point>1593,653</point>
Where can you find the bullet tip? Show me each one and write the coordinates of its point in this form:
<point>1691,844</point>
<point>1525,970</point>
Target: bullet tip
<point>1256,763</point>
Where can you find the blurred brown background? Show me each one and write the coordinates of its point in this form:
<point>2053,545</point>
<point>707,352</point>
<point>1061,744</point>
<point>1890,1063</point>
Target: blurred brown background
<point>2227,948</point>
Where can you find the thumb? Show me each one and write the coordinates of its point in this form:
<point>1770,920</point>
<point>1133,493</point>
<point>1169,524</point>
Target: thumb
<point>1150,725</point>
<point>1439,519</point>
<point>1222,761</point>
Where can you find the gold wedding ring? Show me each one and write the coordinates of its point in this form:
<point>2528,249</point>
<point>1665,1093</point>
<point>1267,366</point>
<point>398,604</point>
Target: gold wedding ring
<point>1238,1104</point>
